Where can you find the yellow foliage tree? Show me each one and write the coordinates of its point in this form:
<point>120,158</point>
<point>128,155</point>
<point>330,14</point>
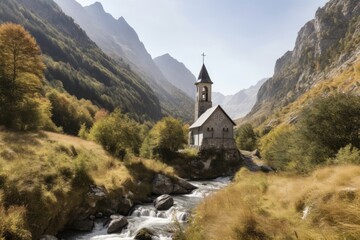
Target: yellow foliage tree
<point>166,137</point>
<point>21,74</point>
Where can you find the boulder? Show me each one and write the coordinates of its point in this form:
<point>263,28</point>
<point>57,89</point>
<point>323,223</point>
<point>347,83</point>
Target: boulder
<point>185,184</point>
<point>179,190</point>
<point>83,225</point>
<point>95,194</point>
<point>144,234</point>
<point>117,223</point>
<point>163,202</point>
<point>162,185</point>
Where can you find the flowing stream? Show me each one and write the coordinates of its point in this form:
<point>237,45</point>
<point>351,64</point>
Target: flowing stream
<point>159,222</point>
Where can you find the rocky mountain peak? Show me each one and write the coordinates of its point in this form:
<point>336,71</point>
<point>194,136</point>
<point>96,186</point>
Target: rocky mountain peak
<point>325,43</point>
<point>97,6</point>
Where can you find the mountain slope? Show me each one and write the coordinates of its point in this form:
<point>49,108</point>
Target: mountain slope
<point>325,46</point>
<point>177,73</point>
<point>239,104</point>
<point>119,40</point>
<point>75,63</point>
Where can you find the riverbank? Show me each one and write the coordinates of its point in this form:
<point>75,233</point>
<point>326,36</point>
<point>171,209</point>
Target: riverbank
<point>322,205</point>
<point>162,224</point>
<point>49,180</point>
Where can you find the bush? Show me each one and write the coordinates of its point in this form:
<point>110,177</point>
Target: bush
<point>246,137</point>
<point>331,123</point>
<point>164,139</point>
<point>118,134</point>
<point>347,155</point>
<point>325,127</point>
<point>70,113</point>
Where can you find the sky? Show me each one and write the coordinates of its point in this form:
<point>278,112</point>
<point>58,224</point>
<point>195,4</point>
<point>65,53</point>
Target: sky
<point>242,39</point>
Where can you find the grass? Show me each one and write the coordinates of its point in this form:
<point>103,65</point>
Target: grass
<point>260,206</point>
<point>44,178</point>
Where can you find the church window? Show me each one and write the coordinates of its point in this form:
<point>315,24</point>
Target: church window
<point>204,94</point>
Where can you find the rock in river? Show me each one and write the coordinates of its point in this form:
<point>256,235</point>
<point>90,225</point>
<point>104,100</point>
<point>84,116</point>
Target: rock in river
<point>162,185</point>
<point>164,202</point>
<point>117,223</point>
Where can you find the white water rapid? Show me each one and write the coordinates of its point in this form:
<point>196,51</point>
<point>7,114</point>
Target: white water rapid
<point>159,222</point>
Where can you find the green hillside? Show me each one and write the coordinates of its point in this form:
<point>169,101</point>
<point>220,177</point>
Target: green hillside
<point>76,64</point>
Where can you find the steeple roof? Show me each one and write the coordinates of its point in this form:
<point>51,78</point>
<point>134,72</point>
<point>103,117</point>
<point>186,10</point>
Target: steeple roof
<point>204,76</point>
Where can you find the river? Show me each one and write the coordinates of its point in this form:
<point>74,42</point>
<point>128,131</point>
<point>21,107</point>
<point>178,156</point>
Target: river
<point>160,222</point>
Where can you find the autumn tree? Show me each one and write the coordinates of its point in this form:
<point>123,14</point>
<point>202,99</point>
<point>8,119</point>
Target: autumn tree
<point>117,133</point>
<point>165,138</point>
<point>21,72</point>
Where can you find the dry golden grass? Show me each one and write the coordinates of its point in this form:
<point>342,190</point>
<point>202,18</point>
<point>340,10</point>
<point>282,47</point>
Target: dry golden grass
<point>44,176</point>
<point>259,206</point>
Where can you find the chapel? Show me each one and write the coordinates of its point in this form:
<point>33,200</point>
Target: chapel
<point>213,128</point>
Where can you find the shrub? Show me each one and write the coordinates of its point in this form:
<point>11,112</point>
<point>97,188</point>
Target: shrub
<point>246,137</point>
<point>325,127</point>
<point>118,134</point>
<point>164,139</point>
<point>347,155</point>
<point>70,113</point>
<point>331,123</point>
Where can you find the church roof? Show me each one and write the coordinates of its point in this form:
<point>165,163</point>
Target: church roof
<point>206,115</point>
<point>203,76</point>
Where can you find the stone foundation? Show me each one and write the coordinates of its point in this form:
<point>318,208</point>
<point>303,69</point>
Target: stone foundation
<point>218,143</point>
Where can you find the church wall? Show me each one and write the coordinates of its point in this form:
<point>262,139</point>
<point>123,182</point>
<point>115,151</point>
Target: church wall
<point>214,126</point>
<point>197,135</point>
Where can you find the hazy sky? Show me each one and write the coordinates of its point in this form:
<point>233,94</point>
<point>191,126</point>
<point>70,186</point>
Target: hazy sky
<point>241,38</point>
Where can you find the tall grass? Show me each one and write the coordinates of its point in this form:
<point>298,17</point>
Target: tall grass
<point>45,177</point>
<point>259,206</point>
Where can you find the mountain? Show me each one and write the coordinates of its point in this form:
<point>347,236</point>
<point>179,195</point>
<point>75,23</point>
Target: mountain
<point>239,104</point>
<point>325,59</point>
<point>75,63</point>
<point>177,73</point>
<point>120,41</point>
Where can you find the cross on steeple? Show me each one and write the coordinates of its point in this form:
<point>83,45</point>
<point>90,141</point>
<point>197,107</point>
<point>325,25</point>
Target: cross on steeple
<point>203,55</point>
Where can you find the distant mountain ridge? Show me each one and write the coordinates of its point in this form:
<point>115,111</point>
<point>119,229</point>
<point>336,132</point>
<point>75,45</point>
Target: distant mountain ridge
<point>177,73</point>
<point>325,47</point>
<point>239,104</point>
<point>120,41</point>
<point>75,63</point>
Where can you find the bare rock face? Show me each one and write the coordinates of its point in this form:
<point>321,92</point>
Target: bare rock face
<point>117,223</point>
<point>163,202</point>
<point>323,45</point>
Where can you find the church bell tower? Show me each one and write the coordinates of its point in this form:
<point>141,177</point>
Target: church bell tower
<point>203,92</point>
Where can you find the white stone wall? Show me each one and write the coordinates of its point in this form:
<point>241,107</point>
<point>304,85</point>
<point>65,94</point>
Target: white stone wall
<point>218,126</point>
<point>218,131</point>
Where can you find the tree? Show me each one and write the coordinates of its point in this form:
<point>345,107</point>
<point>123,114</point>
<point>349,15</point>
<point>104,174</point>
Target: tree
<point>117,133</point>
<point>331,123</point>
<point>165,138</point>
<point>246,137</point>
<point>21,74</point>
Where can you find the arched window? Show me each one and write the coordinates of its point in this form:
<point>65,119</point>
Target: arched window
<point>204,94</point>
